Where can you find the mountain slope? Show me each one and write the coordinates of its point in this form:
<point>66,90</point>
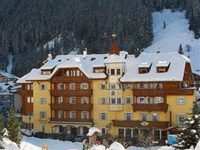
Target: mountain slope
<point>175,33</point>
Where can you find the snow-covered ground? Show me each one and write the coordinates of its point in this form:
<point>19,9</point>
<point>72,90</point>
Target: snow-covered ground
<point>175,33</point>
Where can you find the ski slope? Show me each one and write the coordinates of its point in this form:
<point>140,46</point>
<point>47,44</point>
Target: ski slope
<point>176,33</point>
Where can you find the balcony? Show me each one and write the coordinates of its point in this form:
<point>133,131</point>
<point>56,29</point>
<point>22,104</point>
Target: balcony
<point>133,124</point>
<point>71,120</point>
<point>148,92</point>
<point>75,107</point>
<point>150,107</point>
<point>71,92</point>
<point>68,79</point>
<point>26,92</point>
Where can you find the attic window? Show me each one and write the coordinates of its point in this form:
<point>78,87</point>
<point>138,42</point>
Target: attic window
<point>59,60</point>
<point>46,72</point>
<point>144,67</point>
<point>162,66</point>
<point>105,57</point>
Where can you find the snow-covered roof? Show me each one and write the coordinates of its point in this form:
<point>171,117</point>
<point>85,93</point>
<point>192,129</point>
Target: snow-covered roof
<point>93,130</point>
<point>177,62</point>
<point>8,75</point>
<point>86,65</point>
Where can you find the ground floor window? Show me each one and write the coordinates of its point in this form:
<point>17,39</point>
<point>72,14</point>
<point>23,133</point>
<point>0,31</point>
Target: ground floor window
<point>128,133</point>
<point>156,134</point>
<point>135,132</point>
<point>121,133</point>
<point>164,135</point>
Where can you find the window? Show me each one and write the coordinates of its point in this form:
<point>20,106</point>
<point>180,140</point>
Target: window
<point>72,86</point>
<point>84,100</point>
<point>103,101</point>
<point>113,86</point>
<point>43,128</point>
<point>180,101</point>
<point>121,133</point>
<point>84,86</point>
<point>103,116</point>
<point>60,100</point>
<point>73,114</point>
<point>142,100</point>
<point>46,72</point>
<point>144,117</point>
<point>112,71</point>
<point>154,117</point>
<point>118,72</point>
<point>102,86</point>
<point>116,101</point>
<point>78,73</point>
<point>128,100</point>
<point>135,132</point>
<point>128,116</point>
<point>30,113</point>
<point>158,100</point>
<point>42,114</point>
<point>42,87</point>
<point>72,100</point>
<point>29,87</point>
<point>103,130</point>
<point>180,118</point>
<point>61,86</point>
<point>84,115</point>
<point>42,100</point>
<point>61,114</point>
<point>156,134</point>
<point>67,73</point>
<point>128,133</point>
<point>29,99</point>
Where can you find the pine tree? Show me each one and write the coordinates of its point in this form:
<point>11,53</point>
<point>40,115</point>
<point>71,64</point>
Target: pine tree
<point>180,50</point>
<point>190,134</point>
<point>1,127</point>
<point>14,133</point>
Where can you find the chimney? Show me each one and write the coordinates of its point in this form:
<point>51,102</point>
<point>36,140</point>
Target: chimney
<point>85,53</point>
<point>114,46</point>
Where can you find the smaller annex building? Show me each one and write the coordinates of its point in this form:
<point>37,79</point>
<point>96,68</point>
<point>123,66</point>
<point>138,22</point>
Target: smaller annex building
<point>118,93</point>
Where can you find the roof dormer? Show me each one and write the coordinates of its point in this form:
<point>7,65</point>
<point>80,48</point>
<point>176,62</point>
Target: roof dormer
<point>144,67</point>
<point>162,66</point>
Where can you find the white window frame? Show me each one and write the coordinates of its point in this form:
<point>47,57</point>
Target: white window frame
<point>43,128</point>
<point>84,86</point>
<point>84,115</point>
<point>103,116</point>
<point>72,86</point>
<point>43,114</point>
<point>61,86</point>
<point>73,114</point>
<point>72,100</point>
<point>29,99</point>
<point>42,87</point>
<point>128,116</point>
<point>43,100</point>
<point>84,100</point>
<point>181,101</point>
<point>60,99</point>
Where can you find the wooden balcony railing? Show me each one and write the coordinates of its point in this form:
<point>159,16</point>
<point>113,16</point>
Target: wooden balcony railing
<point>71,92</point>
<point>26,92</point>
<point>75,107</point>
<point>68,79</point>
<point>133,124</point>
<point>150,107</point>
<point>146,92</point>
<point>71,120</point>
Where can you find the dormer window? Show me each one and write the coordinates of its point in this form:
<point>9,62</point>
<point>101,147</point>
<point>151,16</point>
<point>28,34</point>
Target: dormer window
<point>144,67</point>
<point>162,66</point>
<point>46,72</point>
<point>99,69</point>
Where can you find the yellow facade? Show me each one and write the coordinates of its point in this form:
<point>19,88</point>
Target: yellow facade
<point>41,90</point>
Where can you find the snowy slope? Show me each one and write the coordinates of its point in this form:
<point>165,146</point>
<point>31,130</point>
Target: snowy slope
<point>175,33</point>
